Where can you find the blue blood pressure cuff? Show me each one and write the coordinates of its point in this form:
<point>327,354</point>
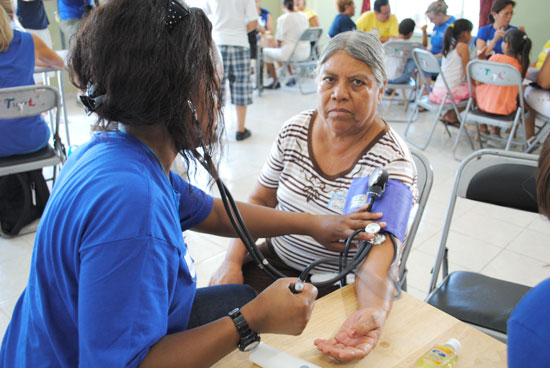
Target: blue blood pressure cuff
<point>395,204</point>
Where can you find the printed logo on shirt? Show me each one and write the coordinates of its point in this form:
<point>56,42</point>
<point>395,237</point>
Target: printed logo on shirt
<point>190,266</point>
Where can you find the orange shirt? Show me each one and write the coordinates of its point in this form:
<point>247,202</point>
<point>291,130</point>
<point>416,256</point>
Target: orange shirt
<point>501,100</point>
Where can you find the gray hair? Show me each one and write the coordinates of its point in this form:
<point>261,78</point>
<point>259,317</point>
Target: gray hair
<point>437,7</point>
<point>361,46</point>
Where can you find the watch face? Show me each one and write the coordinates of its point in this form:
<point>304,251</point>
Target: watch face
<point>253,345</point>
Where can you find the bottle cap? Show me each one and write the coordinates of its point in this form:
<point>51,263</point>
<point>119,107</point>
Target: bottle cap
<point>455,344</point>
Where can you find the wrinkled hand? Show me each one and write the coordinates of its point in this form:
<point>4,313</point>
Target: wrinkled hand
<point>228,273</point>
<point>278,310</point>
<point>357,336</point>
<point>328,230</point>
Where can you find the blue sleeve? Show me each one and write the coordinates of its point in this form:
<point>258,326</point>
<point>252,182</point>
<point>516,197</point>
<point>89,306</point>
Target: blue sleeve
<point>124,293</point>
<point>483,34</point>
<point>194,204</point>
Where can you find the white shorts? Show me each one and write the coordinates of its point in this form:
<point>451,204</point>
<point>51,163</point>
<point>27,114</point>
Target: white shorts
<point>538,99</point>
<point>283,53</point>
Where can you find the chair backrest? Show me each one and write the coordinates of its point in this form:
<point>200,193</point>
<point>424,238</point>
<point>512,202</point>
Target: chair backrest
<point>426,61</point>
<point>490,176</point>
<point>491,72</point>
<point>19,102</point>
<point>312,36</point>
<point>402,49</point>
<point>424,183</point>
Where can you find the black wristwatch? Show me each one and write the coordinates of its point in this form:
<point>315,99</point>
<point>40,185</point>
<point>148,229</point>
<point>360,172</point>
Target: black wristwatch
<point>249,339</point>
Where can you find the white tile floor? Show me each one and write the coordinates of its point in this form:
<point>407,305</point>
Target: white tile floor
<point>499,242</point>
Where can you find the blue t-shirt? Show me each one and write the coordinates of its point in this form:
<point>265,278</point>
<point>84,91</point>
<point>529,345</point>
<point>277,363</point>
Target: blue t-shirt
<point>110,273</point>
<point>529,329</point>
<point>341,23</point>
<point>20,135</point>
<point>32,15</point>
<point>436,40</point>
<point>264,14</point>
<point>72,9</point>
<point>487,33</point>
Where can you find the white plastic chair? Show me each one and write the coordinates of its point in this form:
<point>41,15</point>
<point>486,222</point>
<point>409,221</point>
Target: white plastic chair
<point>427,63</point>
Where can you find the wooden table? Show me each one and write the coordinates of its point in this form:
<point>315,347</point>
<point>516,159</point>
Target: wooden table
<point>412,328</point>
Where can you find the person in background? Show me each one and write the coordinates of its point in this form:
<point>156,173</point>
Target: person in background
<point>313,161</point>
<point>537,96</point>
<point>380,22</point>
<point>502,100</point>
<point>32,16</point>
<point>542,55</point>
<point>265,20</point>
<point>311,15</point>
<point>529,325</point>
<point>437,13</point>
<point>489,37</point>
<point>398,68</point>
<point>456,56</point>
<point>70,15</point>
<point>290,27</point>
<point>343,22</point>
<point>19,53</point>
<point>231,22</point>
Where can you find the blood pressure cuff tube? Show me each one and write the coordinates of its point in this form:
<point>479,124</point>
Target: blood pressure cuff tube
<point>395,204</point>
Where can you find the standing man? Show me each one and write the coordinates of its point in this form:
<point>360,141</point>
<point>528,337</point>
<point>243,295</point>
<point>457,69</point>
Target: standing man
<point>380,22</point>
<point>231,21</point>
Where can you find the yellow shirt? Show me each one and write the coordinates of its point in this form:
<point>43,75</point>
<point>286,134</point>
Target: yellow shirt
<point>543,54</point>
<point>367,22</point>
<point>309,14</point>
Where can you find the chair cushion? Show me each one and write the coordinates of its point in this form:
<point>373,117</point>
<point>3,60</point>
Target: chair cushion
<point>509,185</point>
<point>477,299</point>
<point>43,154</point>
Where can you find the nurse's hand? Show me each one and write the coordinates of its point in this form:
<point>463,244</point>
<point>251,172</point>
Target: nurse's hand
<point>278,310</point>
<point>357,336</point>
<point>229,272</point>
<point>331,230</point>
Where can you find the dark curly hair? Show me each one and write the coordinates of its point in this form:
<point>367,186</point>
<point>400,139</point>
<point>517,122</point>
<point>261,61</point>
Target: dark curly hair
<point>149,73</point>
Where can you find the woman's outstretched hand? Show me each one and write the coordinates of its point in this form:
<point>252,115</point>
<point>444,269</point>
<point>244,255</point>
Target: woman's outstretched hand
<point>357,336</point>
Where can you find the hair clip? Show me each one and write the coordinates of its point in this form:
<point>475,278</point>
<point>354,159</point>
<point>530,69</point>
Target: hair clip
<point>452,25</point>
<point>91,100</point>
<point>175,12</point>
<point>525,37</point>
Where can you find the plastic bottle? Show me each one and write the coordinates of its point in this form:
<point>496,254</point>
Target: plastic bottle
<point>441,356</point>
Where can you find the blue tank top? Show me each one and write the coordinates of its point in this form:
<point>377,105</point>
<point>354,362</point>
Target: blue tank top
<point>23,135</point>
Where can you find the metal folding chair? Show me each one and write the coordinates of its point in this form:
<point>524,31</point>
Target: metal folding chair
<point>44,98</point>
<point>424,183</point>
<point>499,74</point>
<point>402,51</point>
<point>427,63</point>
<point>500,178</point>
<point>304,68</point>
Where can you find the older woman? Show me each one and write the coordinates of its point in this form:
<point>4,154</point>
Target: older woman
<point>489,37</point>
<point>311,166</point>
<point>437,13</point>
<point>111,281</point>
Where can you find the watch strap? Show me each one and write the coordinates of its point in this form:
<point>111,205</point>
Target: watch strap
<point>248,339</point>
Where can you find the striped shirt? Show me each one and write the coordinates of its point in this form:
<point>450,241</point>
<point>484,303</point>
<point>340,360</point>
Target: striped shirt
<point>302,186</point>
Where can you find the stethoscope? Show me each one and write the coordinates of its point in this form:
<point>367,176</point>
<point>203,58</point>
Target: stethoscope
<point>376,188</point>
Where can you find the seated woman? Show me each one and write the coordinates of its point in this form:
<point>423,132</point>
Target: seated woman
<point>312,18</point>
<point>437,13</point>
<point>537,98</point>
<point>312,164</point>
<point>111,281</point>
<point>290,27</point>
<point>19,53</point>
<point>489,37</point>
